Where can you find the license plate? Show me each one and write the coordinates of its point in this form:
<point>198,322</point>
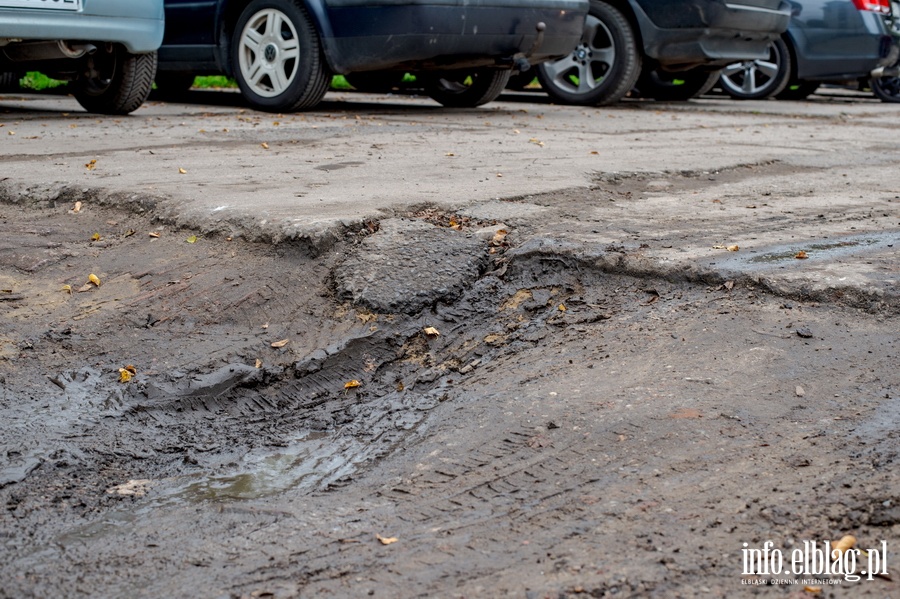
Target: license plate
<point>46,4</point>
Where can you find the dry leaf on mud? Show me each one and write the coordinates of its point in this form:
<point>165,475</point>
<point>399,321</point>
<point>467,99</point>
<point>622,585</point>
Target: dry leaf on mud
<point>94,279</point>
<point>192,239</point>
<point>281,343</point>
<point>91,165</point>
<point>813,590</point>
<point>351,384</point>
<point>562,308</point>
<point>386,540</point>
<point>264,146</point>
<point>126,374</point>
<point>153,234</point>
<point>499,237</point>
<point>95,237</point>
<point>85,287</point>
<point>77,207</point>
<point>182,171</point>
<point>733,248</point>
<point>67,289</point>
<point>801,255</point>
<point>846,542</point>
<point>432,332</point>
<point>258,363</point>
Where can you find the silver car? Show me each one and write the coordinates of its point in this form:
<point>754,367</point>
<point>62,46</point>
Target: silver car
<point>105,48</point>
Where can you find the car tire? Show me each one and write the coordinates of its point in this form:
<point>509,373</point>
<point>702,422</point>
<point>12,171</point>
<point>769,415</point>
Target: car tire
<point>9,81</point>
<point>171,84</point>
<point>277,57</point>
<point>797,90</point>
<point>675,87</point>
<point>758,79</point>
<point>886,89</point>
<point>115,81</point>
<point>520,80</point>
<point>604,66</point>
<point>465,88</point>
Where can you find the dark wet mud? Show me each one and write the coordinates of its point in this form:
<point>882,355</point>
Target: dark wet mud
<point>473,419</point>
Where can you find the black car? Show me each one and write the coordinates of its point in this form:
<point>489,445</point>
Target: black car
<point>282,52</point>
<point>666,49</point>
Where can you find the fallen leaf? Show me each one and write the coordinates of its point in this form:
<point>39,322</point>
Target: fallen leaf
<point>281,343</point>
<point>153,234</point>
<point>182,171</point>
<point>813,590</point>
<point>801,255</point>
<point>85,287</point>
<point>386,540</point>
<point>94,279</point>
<point>258,363</point>
<point>432,332</point>
<point>124,375</point>
<point>129,233</point>
<point>846,542</point>
<point>352,384</point>
<point>192,239</point>
<point>95,237</point>
<point>733,248</point>
<point>594,152</point>
<point>67,289</point>
<point>561,308</point>
<point>799,391</point>
<point>499,237</point>
<point>91,165</point>
<point>449,154</point>
<point>264,146</point>
<point>729,285</point>
<point>77,207</point>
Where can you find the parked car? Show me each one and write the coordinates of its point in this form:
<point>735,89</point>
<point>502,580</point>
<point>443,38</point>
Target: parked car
<point>282,52</point>
<point>667,49</point>
<point>105,48</point>
<point>827,41</point>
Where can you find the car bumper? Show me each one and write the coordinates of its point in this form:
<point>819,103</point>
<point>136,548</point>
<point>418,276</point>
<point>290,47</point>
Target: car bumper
<point>452,35</point>
<point>138,25</point>
<point>713,33</point>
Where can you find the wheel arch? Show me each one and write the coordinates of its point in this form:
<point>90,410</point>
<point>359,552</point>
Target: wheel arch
<point>229,11</point>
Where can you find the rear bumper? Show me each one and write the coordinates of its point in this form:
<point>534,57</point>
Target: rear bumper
<point>454,35</point>
<point>713,33</point>
<point>136,24</point>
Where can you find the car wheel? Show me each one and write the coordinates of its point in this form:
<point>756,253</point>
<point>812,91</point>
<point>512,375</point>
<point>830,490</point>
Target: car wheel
<point>797,90</point>
<point>375,82</point>
<point>171,84</point>
<point>9,81</point>
<point>467,88</point>
<point>277,57</point>
<point>114,81</point>
<point>886,89</point>
<point>758,79</point>
<point>675,87</point>
<point>604,66</point>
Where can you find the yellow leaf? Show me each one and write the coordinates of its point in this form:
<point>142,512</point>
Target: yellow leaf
<point>449,154</point>
<point>67,289</point>
<point>846,542</point>
<point>264,146</point>
<point>352,384</point>
<point>281,343</point>
<point>432,332</point>
<point>130,368</point>
<point>812,590</point>
<point>386,540</point>
<point>801,255</point>
<point>182,171</point>
<point>192,239</point>
<point>153,234</point>
<point>733,248</point>
<point>562,308</point>
<point>77,207</point>
<point>95,237</point>
<point>124,375</point>
<point>91,165</point>
<point>94,279</point>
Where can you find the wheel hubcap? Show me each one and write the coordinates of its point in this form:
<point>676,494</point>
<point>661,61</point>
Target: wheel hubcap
<point>752,77</point>
<point>586,68</point>
<point>269,53</point>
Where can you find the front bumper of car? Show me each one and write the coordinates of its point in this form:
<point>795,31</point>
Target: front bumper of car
<point>447,34</point>
<point>136,24</point>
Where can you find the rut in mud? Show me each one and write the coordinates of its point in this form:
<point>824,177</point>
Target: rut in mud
<point>508,409</point>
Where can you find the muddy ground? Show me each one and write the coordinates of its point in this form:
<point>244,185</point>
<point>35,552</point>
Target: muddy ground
<point>432,406</point>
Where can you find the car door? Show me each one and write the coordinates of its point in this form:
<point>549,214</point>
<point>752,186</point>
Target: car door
<point>190,36</point>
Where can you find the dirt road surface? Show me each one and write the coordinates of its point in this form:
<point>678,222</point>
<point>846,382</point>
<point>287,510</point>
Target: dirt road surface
<point>389,349</point>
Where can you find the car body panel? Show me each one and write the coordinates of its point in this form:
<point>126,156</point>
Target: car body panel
<point>358,35</point>
<point>832,40</point>
<point>136,24</point>
<point>683,34</point>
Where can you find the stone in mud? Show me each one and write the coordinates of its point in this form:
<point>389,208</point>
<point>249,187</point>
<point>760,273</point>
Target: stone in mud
<point>409,265</point>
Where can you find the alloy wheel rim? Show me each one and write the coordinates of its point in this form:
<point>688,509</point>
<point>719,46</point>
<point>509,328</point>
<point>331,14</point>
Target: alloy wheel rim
<point>269,53</point>
<point>586,67</point>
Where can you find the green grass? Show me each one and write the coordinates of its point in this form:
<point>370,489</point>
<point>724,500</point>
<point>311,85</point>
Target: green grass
<point>214,82</point>
<point>39,82</point>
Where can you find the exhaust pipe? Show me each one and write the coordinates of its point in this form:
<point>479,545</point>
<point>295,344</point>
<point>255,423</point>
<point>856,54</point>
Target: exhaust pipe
<point>880,72</point>
<point>37,51</point>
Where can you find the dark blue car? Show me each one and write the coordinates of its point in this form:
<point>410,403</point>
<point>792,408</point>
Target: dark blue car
<point>283,52</point>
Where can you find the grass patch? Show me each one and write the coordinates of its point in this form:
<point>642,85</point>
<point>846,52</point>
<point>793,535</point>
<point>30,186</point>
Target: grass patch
<point>36,81</point>
<point>214,82</point>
